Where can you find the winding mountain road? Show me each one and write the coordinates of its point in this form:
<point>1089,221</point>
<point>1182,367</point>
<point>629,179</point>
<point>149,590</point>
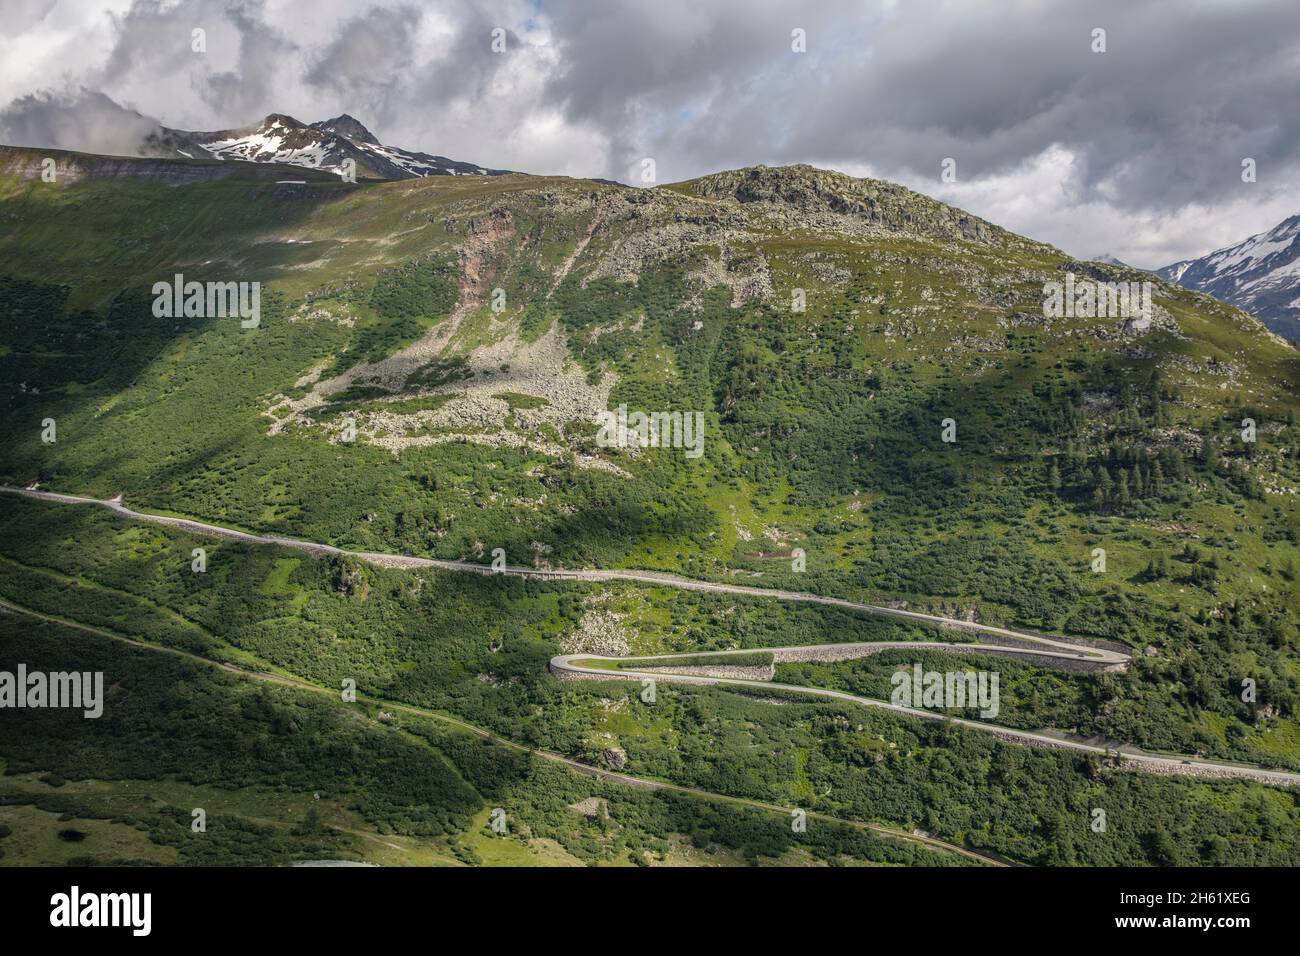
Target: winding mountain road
<point>568,665</point>
<point>571,666</point>
<point>628,780</point>
<point>1054,646</point>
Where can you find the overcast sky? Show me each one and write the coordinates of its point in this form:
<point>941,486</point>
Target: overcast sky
<point>1135,151</point>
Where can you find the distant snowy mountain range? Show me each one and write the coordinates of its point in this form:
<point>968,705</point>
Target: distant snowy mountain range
<point>1260,274</point>
<point>325,145</point>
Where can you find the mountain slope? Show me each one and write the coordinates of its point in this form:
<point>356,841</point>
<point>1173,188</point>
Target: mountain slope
<point>427,377</point>
<point>1260,274</point>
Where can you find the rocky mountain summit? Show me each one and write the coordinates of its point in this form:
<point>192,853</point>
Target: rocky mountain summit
<point>349,127</point>
<point>821,197</point>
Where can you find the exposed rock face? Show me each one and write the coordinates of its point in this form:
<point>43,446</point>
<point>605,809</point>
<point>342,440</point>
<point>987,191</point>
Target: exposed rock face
<point>615,758</point>
<point>592,807</point>
<point>348,126</point>
<point>600,633</point>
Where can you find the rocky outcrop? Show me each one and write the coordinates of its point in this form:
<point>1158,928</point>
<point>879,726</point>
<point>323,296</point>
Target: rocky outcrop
<point>818,197</point>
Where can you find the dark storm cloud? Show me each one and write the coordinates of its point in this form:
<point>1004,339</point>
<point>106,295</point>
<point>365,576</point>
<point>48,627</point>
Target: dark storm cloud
<point>671,76</point>
<point>374,70</point>
<point>365,63</point>
<point>153,44</point>
<point>83,121</point>
<point>1184,91</point>
<point>262,52</point>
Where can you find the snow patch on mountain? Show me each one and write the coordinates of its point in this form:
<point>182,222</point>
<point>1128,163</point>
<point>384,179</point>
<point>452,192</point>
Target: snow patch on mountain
<point>1260,274</point>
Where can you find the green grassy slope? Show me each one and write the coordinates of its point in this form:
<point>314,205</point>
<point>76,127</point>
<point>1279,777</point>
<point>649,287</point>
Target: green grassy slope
<point>475,647</point>
<point>823,426</point>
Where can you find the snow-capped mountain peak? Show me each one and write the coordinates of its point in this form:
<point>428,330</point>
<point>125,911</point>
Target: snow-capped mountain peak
<point>327,144</point>
<point>277,139</point>
<point>349,127</point>
<point>1260,274</point>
